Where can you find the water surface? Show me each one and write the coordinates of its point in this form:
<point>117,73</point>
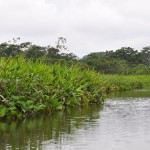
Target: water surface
<point>122,123</point>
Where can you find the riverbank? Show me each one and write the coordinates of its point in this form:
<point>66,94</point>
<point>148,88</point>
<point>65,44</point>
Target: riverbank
<point>27,87</point>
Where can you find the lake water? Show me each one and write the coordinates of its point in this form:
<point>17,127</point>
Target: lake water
<point>122,123</point>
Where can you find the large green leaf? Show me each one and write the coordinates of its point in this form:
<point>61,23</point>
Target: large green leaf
<point>2,111</point>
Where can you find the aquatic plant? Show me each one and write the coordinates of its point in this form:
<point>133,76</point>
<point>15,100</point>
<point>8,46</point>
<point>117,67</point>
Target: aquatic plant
<point>27,87</point>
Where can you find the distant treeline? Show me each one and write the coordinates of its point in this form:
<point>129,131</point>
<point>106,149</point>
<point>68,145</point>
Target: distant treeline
<point>125,60</point>
<point>49,54</point>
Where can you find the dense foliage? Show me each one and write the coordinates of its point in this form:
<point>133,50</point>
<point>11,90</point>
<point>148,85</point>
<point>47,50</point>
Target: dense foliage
<point>125,60</point>
<point>35,78</point>
<point>122,61</point>
<point>27,87</point>
<point>48,54</point>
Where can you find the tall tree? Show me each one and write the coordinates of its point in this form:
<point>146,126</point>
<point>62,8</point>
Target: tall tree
<point>145,55</point>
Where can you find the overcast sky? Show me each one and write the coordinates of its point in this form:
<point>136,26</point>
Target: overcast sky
<point>88,25</point>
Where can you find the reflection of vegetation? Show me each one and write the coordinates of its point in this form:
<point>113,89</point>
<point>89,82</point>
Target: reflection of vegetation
<point>33,131</point>
<point>131,93</point>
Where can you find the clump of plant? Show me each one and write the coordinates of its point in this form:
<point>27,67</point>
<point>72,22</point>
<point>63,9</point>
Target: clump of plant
<point>27,87</point>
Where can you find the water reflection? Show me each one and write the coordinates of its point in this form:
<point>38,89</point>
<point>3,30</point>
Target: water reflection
<point>131,93</point>
<point>57,127</point>
<point>122,123</point>
<point>127,121</point>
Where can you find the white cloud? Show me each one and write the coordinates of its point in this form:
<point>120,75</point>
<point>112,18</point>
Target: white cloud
<point>89,25</point>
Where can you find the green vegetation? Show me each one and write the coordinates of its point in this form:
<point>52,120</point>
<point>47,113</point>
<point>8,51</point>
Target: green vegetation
<point>35,78</point>
<point>125,61</point>
<point>27,87</point>
<point>48,54</point>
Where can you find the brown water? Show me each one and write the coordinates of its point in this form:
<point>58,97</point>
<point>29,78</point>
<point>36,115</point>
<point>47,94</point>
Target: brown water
<point>122,123</point>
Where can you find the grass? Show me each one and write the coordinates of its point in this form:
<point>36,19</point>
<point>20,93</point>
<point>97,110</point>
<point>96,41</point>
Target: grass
<point>27,87</point>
